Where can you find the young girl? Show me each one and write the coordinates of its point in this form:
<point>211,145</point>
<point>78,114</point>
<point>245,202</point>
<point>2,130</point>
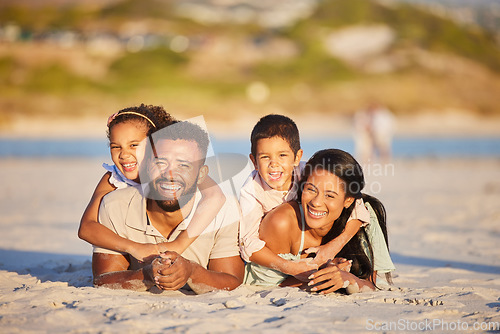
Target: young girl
<point>331,182</point>
<point>127,130</point>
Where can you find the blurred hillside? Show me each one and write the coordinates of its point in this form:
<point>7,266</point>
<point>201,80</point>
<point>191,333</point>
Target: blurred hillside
<point>232,59</point>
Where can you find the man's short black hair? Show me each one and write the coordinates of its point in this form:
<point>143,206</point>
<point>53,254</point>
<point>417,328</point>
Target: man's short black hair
<point>181,131</point>
<point>274,125</point>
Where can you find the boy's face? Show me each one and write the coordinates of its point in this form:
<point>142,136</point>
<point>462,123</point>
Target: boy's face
<point>274,160</point>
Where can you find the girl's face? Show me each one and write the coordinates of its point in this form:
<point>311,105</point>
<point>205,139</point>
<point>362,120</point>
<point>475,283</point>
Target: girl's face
<point>126,143</point>
<point>323,199</point>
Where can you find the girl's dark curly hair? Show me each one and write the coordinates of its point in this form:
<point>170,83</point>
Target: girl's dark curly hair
<point>152,117</point>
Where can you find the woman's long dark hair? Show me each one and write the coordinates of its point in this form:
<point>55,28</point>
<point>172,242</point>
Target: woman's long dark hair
<point>345,167</point>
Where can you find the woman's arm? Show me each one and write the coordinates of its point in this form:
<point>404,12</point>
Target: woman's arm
<point>210,204</point>
<point>99,235</point>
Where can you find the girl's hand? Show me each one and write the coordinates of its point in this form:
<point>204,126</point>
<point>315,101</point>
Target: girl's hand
<point>144,252</point>
<point>329,279</point>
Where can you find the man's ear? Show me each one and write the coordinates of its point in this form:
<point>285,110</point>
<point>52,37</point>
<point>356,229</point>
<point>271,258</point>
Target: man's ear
<point>202,174</point>
<point>298,156</point>
<point>252,158</point>
<point>348,201</point>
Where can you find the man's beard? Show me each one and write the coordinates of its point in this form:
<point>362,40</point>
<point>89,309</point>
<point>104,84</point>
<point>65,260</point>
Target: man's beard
<point>172,205</point>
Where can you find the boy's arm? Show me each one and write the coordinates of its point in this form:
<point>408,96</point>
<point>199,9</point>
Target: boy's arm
<point>300,269</point>
<point>275,232</point>
<point>99,235</point>
<point>331,249</point>
<point>252,213</point>
<point>209,206</point>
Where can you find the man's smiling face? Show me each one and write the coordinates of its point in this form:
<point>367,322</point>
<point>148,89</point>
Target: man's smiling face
<point>175,173</point>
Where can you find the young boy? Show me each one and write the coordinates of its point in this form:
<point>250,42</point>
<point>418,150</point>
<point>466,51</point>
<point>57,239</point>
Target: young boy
<point>276,154</point>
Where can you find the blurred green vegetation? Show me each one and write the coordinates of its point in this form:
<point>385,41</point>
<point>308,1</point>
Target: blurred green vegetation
<point>413,26</point>
<point>160,73</point>
<point>148,68</point>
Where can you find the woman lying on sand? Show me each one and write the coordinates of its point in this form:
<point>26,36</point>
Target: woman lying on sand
<point>330,183</point>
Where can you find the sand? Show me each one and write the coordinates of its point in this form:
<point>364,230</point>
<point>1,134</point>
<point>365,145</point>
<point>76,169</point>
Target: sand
<point>444,224</point>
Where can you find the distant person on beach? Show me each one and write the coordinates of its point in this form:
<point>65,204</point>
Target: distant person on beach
<point>331,182</point>
<point>374,129</point>
<point>173,168</point>
<point>276,154</point>
<point>127,131</point>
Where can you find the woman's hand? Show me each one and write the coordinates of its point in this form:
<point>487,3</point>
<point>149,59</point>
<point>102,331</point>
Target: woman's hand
<point>334,277</point>
<point>330,279</point>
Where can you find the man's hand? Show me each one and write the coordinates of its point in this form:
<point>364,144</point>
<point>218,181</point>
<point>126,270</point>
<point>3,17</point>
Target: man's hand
<point>171,271</point>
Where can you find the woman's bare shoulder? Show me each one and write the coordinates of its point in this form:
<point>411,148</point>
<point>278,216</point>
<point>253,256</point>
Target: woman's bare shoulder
<point>283,217</point>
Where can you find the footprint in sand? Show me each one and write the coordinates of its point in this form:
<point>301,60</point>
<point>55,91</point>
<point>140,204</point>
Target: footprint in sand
<point>414,301</point>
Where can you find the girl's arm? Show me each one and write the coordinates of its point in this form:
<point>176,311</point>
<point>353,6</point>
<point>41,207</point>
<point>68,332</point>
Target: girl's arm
<point>99,235</point>
<point>210,204</point>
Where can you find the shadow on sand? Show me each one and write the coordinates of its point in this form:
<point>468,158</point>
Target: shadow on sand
<point>438,263</point>
<point>76,270</point>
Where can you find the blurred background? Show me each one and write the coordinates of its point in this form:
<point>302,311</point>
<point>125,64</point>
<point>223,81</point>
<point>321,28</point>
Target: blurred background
<point>66,65</point>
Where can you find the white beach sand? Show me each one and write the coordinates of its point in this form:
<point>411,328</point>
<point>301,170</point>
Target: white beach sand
<point>444,224</point>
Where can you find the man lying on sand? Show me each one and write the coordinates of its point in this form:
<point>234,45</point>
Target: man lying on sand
<point>174,165</point>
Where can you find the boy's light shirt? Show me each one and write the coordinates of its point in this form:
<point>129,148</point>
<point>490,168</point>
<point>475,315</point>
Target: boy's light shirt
<point>257,199</point>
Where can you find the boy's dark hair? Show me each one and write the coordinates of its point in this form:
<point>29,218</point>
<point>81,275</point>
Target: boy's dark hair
<point>275,126</point>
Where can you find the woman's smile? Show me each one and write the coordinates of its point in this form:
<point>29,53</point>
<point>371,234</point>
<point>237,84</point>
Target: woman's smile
<point>315,214</point>
<point>323,199</point>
